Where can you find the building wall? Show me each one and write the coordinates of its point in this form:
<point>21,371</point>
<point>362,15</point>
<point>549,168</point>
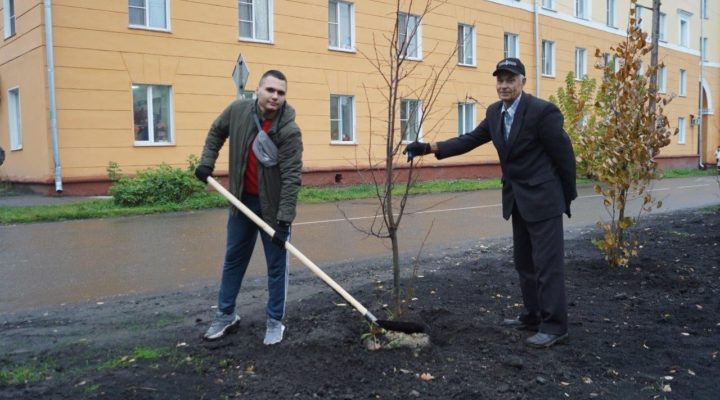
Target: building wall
<point>99,57</point>
<point>22,66</point>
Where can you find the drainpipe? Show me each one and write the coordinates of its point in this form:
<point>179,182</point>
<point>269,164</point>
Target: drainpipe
<point>537,48</point>
<point>51,93</point>
<point>701,155</point>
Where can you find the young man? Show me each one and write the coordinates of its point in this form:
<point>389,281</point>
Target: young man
<point>538,176</point>
<point>264,173</point>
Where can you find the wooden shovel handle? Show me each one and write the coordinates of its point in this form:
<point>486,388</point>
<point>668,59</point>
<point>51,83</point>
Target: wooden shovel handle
<point>294,251</point>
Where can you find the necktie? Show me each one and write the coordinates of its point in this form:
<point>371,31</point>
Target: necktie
<point>505,130</point>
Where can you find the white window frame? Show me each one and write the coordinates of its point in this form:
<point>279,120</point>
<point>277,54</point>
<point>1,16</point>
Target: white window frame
<point>466,43</point>
<point>340,119</point>
<point>466,110</point>
<point>704,9</point>
<point>417,38</point>
<point>611,13</point>
<point>582,9</point>
<point>513,39</point>
<point>682,80</point>
<point>704,49</point>
<point>408,112</point>
<point>15,119</point>
<point>548,60</point>
<point>253,21</point>
<point>9,19</point>
<point>662,79</point>
<point>548,4</point>
<point>580,63</point>
<point>338,25</point>
<point>684,28</point>
<point>681,130</point>
<point>662,35</point>
<point>146,25</point>
<point>151,117</point>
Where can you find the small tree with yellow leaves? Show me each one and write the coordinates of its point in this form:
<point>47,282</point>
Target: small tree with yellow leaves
<point>627,140</point>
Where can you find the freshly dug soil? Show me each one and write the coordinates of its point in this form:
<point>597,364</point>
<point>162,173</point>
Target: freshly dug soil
<point>643,332</point>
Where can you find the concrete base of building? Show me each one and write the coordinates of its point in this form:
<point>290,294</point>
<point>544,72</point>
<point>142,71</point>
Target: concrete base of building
<point>327,177</point>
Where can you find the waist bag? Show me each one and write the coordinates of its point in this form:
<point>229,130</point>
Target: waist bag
<point>264,148</point>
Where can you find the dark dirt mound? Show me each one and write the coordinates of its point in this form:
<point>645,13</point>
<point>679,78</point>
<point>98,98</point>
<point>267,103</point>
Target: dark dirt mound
<point>644,332</point>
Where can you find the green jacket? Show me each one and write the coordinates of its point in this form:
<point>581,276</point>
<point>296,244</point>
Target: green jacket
<point>278,185</point>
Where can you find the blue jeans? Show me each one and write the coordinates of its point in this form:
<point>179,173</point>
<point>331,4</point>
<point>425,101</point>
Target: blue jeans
<point>241,237</point>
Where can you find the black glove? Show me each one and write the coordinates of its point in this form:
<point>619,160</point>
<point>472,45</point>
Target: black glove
<point>202,172</point>
<point>282,233</point>
<point>416,149</point>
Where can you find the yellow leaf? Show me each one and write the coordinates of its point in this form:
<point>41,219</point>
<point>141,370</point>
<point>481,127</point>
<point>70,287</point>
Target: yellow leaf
<point>426,376</point>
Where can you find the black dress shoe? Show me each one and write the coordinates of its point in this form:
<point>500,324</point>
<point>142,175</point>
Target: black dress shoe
<point>517,323</point>
<point>542,340</point>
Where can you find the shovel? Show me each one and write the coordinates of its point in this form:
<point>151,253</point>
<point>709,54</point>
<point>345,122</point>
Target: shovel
<point>405,327</point>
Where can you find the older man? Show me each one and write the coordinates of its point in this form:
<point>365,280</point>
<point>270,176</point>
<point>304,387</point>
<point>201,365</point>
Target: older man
<point>538,176</point>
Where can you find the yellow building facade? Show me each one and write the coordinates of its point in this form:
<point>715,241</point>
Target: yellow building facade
<point>138,82</point>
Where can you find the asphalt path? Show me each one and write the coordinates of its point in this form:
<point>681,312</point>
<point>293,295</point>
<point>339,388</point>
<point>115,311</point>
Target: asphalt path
<point>46,264</point>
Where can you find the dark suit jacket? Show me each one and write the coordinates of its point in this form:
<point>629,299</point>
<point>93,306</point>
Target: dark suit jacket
<point>538,163</point>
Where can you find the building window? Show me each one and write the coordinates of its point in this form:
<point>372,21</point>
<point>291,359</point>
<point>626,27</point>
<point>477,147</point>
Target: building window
<point>340,25</point>
<point>684,26</point>
<point>611,8</point>
<point>466,118</point>
<point>580,63</point>
<point>14,119</point>
<point>704,9</point>
<point>255,19</point>
<point>410,120</point>
<point>607,58</point>
<point>681,130</point>
<point>342,119</point>
<point>638,16</point>
<point>682,90</point>
<point>703,48</point>
<point>662,79</point>
<point>548,58</point>
<point>466,44</point>
<point>409,36</point>
<point>549,4</point>
<point>152,114</point>
<point>662,35</point>
<point>149,14</point>
<point>511,45</point>
<point>9,17</point>
<point>582,9</point>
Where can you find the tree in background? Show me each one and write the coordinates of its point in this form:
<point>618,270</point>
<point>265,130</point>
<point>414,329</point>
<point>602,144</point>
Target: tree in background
<point>575,102</point>
<point>621,150</point>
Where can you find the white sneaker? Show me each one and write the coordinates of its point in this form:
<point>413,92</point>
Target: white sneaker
<point>222,324</point>
<point>274,332</point>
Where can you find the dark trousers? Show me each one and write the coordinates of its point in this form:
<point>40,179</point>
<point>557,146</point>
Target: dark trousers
<point>538,252</point>
<point>241,236</point>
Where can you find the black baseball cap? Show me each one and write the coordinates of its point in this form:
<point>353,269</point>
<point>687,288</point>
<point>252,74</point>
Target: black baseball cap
<point>510,64</point>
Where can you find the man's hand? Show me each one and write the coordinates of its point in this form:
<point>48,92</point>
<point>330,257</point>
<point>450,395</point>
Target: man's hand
<point>282,232</point>
<point>416,149</point>
<point>202,172</point>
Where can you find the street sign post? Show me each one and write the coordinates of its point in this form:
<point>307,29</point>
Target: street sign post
<point>240,75</point>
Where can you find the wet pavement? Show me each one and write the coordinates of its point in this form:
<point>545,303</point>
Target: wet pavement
<point>45,264</point>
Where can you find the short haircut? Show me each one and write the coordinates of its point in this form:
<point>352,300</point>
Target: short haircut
<point>275,74</point>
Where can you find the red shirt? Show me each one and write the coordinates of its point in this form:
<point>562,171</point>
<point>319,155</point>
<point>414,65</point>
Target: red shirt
<point>251,176</point>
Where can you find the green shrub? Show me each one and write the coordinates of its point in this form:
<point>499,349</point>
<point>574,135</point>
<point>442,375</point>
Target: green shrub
<point>154,186</point>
